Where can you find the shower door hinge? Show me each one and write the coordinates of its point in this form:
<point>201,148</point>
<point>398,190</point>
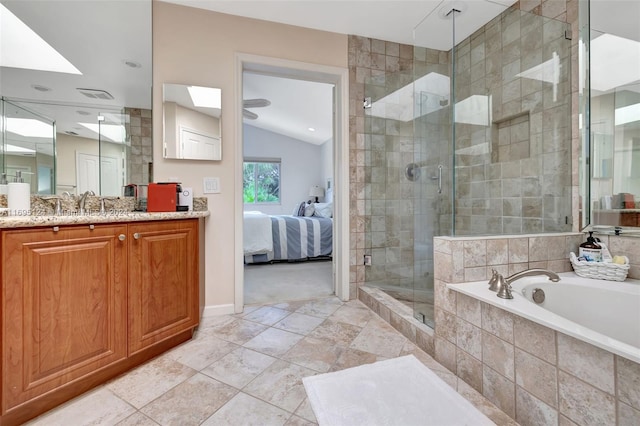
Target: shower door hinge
<point>367,102</point>
<point>567,34</point>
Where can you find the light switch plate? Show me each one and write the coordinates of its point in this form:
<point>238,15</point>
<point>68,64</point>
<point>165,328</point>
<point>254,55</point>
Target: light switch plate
<point>211,185</point>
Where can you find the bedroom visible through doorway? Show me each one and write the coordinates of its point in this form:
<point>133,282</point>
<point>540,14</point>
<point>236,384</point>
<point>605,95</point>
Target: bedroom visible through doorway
<point>288,169</point>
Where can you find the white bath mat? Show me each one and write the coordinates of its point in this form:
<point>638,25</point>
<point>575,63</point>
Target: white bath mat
<point>399,391</point>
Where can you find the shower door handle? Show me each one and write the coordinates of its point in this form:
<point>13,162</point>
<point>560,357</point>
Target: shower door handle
<point>440,179</point>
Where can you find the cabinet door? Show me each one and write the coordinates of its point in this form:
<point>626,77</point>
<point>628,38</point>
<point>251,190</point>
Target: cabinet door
<point>163,281</point>
<point>63,307</point>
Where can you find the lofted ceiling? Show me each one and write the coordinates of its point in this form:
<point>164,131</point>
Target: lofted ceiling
<point>100,37</point>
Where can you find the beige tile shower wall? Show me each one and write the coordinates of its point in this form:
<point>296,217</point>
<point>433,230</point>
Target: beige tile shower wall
<point>141,155</point>
<point>382,201</point>
<point>536,375</point>
<point>513,173</point>
<point>368,58</point>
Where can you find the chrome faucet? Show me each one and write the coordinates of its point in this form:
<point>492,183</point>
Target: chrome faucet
<point>502,285</point>
<point>532,272</point>
<point>83,199</point>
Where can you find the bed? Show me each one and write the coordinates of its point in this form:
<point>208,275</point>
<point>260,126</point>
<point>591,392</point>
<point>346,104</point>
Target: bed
<point>286,238</point>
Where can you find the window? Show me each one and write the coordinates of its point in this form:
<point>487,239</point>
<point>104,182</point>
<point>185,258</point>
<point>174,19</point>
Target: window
<point>261,181</point>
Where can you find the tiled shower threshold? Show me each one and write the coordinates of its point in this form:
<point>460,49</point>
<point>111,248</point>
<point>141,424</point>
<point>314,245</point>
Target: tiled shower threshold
<point>400,317</point>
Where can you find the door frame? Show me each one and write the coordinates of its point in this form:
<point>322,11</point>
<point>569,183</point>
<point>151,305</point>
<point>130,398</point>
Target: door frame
<point>312,72</point>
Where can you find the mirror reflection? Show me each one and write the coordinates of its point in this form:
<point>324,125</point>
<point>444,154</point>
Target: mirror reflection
<point>79,102</point>
<point>615,114</point>
<point>191,122</point>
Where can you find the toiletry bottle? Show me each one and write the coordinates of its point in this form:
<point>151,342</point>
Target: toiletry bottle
<point>590,249</point>
<point>4,188</point>
<point>19,196</point>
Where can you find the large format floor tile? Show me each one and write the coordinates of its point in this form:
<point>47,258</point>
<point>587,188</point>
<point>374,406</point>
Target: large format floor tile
<point>96,407</point>
<point>247,369</point>
<point>191,402</point>
<point>149,381</point>
<point>239,367</point>
<point>281,385</point>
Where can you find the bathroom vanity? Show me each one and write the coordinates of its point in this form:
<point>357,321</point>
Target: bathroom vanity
<point>86,298</point>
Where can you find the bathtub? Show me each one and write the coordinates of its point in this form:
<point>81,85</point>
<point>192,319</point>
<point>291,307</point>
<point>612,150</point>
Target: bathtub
<point>603,313</point>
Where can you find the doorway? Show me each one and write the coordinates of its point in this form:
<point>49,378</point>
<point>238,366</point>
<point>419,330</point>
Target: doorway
<point>293,193</point>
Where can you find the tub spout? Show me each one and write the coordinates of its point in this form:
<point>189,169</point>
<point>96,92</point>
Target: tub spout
<point>532,272</point>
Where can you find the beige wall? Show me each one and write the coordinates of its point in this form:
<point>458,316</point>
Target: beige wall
<point>193,46</point>
<point>66,148</point>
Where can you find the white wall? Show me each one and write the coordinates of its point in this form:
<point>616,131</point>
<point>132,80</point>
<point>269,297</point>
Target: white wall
<point>300,168</point>
<point>326,156</point>
<point>195,46</point>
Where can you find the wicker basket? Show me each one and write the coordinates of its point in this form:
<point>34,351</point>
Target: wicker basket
<point>600,270</point>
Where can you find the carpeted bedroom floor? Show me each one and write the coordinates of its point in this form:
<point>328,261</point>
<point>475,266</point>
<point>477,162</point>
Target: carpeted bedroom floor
<point>280,282</point>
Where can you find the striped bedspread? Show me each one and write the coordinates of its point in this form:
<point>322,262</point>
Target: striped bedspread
<point>297,238</point>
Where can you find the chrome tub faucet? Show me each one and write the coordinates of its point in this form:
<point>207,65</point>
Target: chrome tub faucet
<point>502,285</point>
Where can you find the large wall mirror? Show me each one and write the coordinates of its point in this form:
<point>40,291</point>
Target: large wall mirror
<point>191,122</point>
<point>75,92</point>
<point>611,170</point>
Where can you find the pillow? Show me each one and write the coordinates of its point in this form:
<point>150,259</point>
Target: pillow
<point>324,209</point>
<point>299,209</point>
<point>309,210</point>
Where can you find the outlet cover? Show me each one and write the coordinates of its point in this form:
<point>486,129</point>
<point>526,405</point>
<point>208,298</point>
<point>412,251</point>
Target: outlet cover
<point>211,185</point>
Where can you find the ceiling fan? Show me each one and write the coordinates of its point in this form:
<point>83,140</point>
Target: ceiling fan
<point>253,103</point>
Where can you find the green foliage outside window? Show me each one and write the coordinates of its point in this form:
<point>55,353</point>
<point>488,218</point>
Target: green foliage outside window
<point>261,182</point>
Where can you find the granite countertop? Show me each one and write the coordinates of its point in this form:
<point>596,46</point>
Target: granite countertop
<point>7,222</point>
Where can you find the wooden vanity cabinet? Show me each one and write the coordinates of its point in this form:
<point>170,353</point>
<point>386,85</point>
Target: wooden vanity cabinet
<point>82,304</point>
<point>163,281</point>
<point>64,307</point>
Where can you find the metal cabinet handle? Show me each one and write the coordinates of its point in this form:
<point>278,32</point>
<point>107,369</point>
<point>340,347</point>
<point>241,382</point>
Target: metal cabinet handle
<point>56,228</point>
<point>440,179</point>
<point>122,237</point>
<point>136,236</point>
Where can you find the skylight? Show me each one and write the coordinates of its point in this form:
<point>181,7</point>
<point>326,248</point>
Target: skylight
<point>14,149</point>
<point>427,94</point>
<point>205,97</point>
<point>29,127</point>
<point>115,132</point>
<point>615,62</point>
<point>627,114</point>
<point>21,47</point>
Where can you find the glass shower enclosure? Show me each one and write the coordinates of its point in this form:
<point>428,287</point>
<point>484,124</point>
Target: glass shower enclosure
<point>473,140</point>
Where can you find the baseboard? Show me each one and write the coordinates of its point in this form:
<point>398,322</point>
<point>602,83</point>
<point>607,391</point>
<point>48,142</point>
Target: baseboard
<point>217,310</point>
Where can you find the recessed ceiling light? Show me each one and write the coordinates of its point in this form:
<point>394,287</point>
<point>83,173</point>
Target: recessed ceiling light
<point>40,88</point>
<point>311,129</point>
<point>23,48</point>
<point>131,64</point>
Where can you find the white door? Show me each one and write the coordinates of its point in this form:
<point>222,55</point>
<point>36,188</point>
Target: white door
<point>88,174</point>
<point>198,146</point>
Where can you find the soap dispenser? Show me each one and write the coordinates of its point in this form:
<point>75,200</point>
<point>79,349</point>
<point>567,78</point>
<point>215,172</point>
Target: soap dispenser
<point>590,249</point>
<point>19,196</point>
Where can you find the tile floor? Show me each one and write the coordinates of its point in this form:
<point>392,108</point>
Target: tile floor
<point>247,369</point>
